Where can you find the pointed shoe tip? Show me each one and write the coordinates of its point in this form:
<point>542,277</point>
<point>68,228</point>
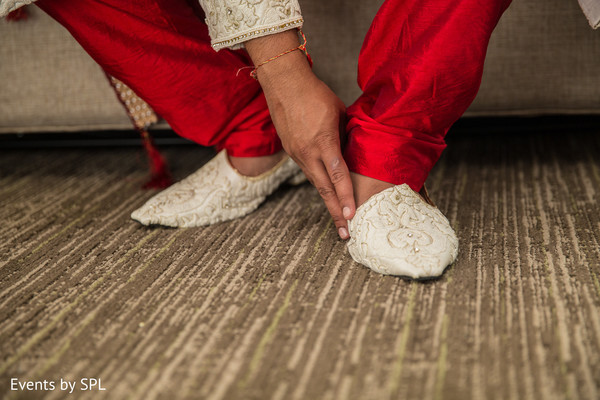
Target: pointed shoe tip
<point>140,217</point>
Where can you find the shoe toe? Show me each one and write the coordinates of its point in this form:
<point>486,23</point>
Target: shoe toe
<point>396,233</point>
<point>141,215</point>
<point>146,216</point>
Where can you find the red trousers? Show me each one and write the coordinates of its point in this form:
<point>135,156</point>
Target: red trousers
<point>420,67</point>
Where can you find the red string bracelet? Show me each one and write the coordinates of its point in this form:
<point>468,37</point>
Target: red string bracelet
<point>302,48</point>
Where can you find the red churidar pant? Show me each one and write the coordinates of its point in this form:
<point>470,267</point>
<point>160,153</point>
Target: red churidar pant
<point>161,50</point>
<point>419,68</point>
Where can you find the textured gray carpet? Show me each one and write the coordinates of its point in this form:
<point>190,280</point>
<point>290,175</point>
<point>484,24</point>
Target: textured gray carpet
<point>272,307</point>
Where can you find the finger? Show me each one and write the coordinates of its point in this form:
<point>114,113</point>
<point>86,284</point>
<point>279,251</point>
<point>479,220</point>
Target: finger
<point>328,194</point>
<point>307,171</point>
<point>339,176</point>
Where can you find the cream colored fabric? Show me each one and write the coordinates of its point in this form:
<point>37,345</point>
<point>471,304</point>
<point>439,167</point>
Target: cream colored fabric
<point>7,6</point>
<point>395,232</point>
<point>232,22</point>
<point>216,192</point>
<point>591,9</point>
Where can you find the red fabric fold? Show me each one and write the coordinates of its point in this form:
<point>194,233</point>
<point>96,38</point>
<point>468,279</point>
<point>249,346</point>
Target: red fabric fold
<point>420,67</point>
<point>161,49</point>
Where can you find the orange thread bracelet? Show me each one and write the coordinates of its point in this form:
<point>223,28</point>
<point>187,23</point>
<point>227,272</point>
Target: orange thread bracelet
<point>302,48</point>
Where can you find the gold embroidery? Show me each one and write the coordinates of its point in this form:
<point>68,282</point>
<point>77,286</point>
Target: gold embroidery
<point>217,45</point>
<point>232,22</point>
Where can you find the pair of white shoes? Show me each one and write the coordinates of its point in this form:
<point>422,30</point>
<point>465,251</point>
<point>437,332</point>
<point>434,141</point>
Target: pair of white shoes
<point>395,232</point>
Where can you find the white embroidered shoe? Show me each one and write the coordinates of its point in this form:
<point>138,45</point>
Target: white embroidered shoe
<point>216,192</point>
<point>395,232</point>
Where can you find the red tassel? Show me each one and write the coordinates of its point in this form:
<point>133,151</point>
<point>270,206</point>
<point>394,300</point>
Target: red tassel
<point>161,177</point>
<point>20,14</point>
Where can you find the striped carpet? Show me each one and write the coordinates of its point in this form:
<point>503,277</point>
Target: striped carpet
<point>272,307</point>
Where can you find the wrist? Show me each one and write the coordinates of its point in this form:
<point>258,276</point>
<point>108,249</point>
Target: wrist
<point>262,48</point>
<point>292,66</point>
<point>279,56</point>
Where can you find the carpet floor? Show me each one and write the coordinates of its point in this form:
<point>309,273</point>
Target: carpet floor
<point>271,306</point>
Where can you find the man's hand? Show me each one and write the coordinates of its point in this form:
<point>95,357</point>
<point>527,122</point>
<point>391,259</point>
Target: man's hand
<point>308,117</point>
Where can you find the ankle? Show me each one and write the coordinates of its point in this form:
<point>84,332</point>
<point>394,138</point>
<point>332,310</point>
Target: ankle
<point>365,187</point>
<point>254,166</point>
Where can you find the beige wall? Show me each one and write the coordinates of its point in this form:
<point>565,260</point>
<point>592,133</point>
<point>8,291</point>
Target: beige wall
<point>543,59</point>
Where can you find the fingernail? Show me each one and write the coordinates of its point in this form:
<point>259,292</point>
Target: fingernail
<point>346,212</point>
<point>343,233</point>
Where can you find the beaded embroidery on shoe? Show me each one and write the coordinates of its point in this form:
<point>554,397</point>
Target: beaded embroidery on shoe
<point>395,232</point>
<point>215,193</point>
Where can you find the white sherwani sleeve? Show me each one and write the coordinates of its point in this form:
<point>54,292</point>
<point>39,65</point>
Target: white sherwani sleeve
<point>7,6</point>
<point>233,22</point>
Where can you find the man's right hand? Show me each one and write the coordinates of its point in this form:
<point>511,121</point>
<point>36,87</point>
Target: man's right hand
<point>308,117</point>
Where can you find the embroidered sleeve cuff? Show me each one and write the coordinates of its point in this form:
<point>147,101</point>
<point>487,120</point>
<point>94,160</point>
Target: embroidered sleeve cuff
<point>237,41</point>
<point>233,22</point>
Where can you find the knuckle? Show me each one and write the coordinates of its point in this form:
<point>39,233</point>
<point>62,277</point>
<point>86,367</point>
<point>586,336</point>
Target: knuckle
<point>338,221</point>
<point>337,176</point>
<point>325,139</point>
<point>304,151</point>
<point>325,192</point>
